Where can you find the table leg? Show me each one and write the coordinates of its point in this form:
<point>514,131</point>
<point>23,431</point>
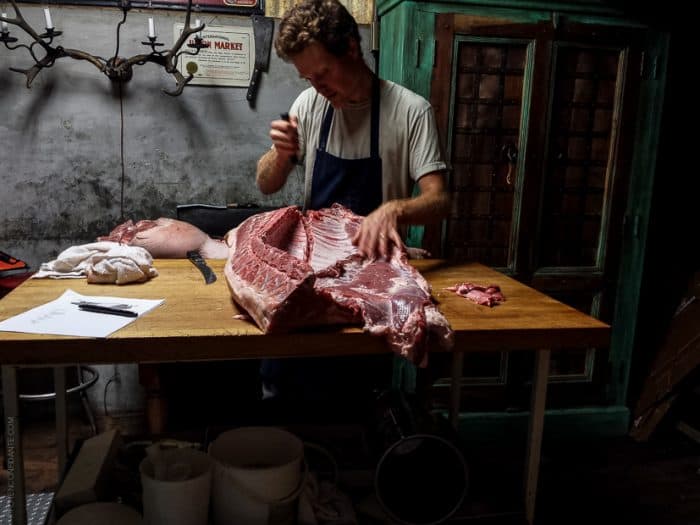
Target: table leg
<point>59,382</point>
<point>456,387</point>
<point>13,447</point>
<point>536,426</point>
<point>156,402</point>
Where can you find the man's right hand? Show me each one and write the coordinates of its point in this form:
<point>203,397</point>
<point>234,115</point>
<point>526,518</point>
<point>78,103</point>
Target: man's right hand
<point>285,138</point>
<point>275,165</point>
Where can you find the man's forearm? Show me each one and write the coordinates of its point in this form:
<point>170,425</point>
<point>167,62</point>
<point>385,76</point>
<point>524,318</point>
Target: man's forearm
<point>272,171</point>
<point>423,209</point>
<point>430,206</point>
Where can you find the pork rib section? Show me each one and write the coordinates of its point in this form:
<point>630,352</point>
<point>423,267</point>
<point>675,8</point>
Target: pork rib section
<point>167,238</point>
<point>290,270</point>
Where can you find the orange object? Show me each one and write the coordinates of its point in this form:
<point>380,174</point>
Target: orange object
<point>7,262</point>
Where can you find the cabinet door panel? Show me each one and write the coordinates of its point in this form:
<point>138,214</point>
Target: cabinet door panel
<point>578,184</point>
<point>538,127</point>
<point>487,107</point>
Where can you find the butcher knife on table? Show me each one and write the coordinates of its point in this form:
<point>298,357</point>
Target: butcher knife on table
<point>263,27</point>
<point>196,258</point>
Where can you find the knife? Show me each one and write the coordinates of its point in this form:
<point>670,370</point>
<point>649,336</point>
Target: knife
<point>263,27</point>
<point>196,258</point>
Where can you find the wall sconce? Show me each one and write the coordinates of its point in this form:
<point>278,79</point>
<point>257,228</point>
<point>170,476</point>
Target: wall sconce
<point>116,68</point>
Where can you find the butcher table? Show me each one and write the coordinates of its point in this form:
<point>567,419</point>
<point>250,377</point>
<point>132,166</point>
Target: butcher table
<point>196,323</point>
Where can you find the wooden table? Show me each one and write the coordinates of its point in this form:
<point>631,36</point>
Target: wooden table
<point>196,323</point>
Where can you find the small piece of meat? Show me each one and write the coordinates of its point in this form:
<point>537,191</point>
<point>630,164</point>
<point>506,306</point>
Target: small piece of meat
<point>417,253</point>
<point>484,295</point>
<point>167,239</point>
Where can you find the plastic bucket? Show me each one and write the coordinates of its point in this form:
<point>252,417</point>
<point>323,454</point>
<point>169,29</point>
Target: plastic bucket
<point>176,487</point>
<point>103,513</point>
<point>258,475</point>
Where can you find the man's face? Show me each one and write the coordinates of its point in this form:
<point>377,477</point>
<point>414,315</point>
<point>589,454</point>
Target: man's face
<point>333,77</point>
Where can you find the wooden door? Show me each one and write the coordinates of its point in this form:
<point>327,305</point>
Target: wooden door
<point>536,119</point>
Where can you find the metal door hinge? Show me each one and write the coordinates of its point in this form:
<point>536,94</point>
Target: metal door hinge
<point>556,20</point>
<point>631,226</point>
<point>649,66</point>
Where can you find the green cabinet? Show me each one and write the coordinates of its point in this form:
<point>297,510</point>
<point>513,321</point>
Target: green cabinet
<point>549,115</point>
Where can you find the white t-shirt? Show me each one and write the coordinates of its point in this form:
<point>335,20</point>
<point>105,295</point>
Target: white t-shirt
<point>408,140</point>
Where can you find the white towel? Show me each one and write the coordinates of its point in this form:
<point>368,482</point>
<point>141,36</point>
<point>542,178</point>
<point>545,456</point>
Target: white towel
<point>102,262</point>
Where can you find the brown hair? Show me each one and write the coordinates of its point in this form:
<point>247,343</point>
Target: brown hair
<point>327,22</point>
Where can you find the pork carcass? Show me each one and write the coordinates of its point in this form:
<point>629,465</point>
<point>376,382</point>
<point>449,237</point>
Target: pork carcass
<point>167,239</point>
<point>290,269</point>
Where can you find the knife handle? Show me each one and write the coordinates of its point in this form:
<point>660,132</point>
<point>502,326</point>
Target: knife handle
<point>285,116</point>
<point>253,87</point>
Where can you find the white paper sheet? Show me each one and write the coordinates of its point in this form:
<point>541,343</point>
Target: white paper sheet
<point>62,317</point>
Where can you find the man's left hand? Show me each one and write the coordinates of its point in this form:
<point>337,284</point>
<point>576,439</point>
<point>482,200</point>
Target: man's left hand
<point>378,234</point>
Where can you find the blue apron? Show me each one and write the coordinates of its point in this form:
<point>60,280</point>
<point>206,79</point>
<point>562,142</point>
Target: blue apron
<point>354,183</point>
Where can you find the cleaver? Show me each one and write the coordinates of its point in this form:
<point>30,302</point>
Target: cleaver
<point>263,27</point>
<point>195,258</point>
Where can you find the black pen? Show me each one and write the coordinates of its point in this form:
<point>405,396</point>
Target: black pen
<point>107,310</point>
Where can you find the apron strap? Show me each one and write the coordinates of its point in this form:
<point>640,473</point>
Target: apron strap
<point>374,127</point>
<point>374,144</point>
<point>325,128</point>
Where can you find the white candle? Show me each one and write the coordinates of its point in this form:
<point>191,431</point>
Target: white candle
<point>4,28</point>
<point>198,23</point>
<point>47,15</point>
<point>151,28</point>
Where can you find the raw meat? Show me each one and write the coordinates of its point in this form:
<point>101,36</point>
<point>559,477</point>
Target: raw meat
<point>290,270</point>
<point>167,239</point>
<point>484,295</point>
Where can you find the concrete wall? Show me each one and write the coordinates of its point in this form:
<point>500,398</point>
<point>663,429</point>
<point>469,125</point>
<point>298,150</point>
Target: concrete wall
<point>61,178</point>
<point>60,158</point>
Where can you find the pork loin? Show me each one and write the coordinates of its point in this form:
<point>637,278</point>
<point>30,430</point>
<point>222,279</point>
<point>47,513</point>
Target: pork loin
<point>290,270</point>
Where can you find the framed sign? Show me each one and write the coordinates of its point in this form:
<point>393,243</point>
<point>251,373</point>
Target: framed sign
<point>227,61</point>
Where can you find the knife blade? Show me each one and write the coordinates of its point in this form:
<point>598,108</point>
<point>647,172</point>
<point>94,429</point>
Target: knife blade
<point>196,258</point>
<point>263,28</point>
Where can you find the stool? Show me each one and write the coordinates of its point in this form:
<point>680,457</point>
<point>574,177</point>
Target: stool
<point>14,272</point>
<point>80,388</point>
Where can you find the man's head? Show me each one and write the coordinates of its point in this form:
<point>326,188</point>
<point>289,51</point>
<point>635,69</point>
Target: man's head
<point>326,22</point>
<point>322,40</point>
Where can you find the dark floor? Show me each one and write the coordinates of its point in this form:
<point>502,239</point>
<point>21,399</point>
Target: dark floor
<point>617,481</point>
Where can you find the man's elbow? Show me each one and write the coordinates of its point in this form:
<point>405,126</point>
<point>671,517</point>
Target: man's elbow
<point>445,204</point>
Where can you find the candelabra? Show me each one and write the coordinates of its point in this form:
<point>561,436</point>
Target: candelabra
<point>116,68</point>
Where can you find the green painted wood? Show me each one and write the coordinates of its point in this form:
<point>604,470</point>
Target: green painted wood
<point>643,171</point>
<point>403,23</point>
<point>392,45</point>
<point>564,424</point>
<point>591,7</point>
<point>409,35</point>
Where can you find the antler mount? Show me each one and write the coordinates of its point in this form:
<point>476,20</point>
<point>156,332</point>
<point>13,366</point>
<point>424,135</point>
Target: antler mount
<point>116,68</point>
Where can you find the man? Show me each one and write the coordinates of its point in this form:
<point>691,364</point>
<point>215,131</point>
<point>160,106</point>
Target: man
<point>363,141</point>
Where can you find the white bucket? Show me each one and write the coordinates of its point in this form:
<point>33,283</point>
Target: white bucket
<point>258,476</point>
<point>176,487</point>
<point>104,513</point>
